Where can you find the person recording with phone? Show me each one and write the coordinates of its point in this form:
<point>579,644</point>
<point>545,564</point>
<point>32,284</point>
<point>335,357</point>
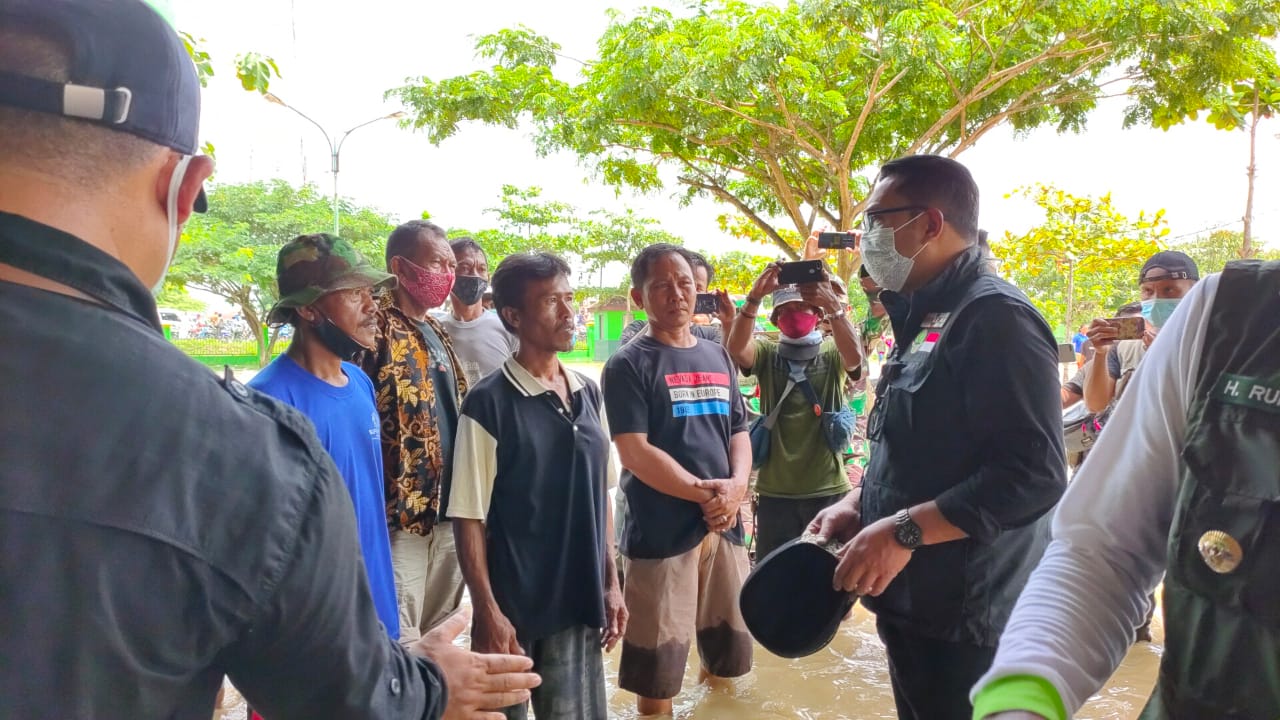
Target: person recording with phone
<point>1165,278</point>
<point>802,386</point>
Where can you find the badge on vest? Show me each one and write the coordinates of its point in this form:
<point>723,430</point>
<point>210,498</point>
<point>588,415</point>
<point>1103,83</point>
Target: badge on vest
<point>1221,552</point>
<point>1250,392</point>
<point>935,321</point>
<point>926,341</point>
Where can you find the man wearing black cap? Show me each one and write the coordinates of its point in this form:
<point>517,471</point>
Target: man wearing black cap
<point>171,528</point>
<point>1165,278</point>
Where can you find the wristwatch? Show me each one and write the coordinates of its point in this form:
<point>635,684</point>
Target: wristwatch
<point>906,531</point>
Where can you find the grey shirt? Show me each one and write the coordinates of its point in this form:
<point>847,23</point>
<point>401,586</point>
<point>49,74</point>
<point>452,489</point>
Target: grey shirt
<point>482,345</point>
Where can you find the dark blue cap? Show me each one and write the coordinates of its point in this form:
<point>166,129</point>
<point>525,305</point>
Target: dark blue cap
<point>129,71</point>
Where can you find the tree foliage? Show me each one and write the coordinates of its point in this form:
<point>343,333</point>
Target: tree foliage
<point>736,271</point>
<point>231,250</point>
<point>782,110</point>
<point>1083,260</point>
<point>254,70</point>
<point>592,243</point>
<point>1213,251</point>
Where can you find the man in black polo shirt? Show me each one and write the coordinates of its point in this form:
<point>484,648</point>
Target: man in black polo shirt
<point>966,443</point>
<point>681,430</point>
<point>529,499</point>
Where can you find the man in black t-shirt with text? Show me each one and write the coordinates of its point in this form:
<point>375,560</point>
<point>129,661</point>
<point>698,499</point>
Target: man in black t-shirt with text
<point>680,427</point>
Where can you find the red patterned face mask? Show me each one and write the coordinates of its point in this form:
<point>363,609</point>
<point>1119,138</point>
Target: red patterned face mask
<point>428,288</point>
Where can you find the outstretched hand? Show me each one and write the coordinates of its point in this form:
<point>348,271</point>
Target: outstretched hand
<point>477,684</point>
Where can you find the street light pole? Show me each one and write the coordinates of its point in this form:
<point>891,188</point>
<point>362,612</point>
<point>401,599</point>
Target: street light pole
<point>334,150</point>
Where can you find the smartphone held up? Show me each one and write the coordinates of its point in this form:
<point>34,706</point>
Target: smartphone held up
<point>837,240</point>
<point>803,271</point>
<point>706,304</point>
<point>1128,328</point>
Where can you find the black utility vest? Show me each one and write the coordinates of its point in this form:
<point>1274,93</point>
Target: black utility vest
<point>1222,590</point>
<point>960,591</point>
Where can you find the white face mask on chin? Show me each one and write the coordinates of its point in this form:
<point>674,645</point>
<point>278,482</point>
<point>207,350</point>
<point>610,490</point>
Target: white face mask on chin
<point>171,213</point>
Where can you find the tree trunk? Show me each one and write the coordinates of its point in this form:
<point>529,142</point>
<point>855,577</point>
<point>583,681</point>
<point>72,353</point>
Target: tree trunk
<point>1246,242</point>
<point>1071,298</point>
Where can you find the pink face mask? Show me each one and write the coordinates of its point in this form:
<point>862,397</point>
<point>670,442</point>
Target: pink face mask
<point>428,288</point>
<point>797,324</point>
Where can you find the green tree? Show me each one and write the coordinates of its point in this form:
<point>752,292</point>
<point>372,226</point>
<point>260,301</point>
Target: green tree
<point>525,222</point>
<point>781,109</point>
<point>612,239</point>
<point>178,298</point>
<point>736,271</point>
<point>1242,106</point>
<point>1213,251</point>
<point>253,70</point>
<point>230,251</point>
<point>1083,260</point>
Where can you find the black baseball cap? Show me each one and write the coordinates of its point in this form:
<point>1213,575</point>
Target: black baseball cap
<point>787,601</point>
<point>129,71</point>
<point>1176,266</point>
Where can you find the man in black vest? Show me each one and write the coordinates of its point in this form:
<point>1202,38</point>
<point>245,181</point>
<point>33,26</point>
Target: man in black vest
<point>1183,485</point>
<point>966,436</point>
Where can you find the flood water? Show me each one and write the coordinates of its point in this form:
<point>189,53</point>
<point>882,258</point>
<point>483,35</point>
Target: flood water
<point>846,680</point>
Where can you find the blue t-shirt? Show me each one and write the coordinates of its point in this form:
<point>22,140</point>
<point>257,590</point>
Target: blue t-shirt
<point>346,421</point>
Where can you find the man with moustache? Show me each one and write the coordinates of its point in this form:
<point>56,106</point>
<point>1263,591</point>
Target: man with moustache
<point>327,295</point>
<point>418,384</point>
<point>530,501</point>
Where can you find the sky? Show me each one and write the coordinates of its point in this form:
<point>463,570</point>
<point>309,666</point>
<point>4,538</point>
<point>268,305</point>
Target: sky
<point>337,58</point>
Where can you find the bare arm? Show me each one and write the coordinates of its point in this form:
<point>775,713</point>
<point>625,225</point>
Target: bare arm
<point>474,561</point>
<point>658,470</point>
<point>848,343</point>
<point>491,632</point>
<point>934,526</point>
<point>741,350</point>
<point>1099,386</point>
<point>738,340</point>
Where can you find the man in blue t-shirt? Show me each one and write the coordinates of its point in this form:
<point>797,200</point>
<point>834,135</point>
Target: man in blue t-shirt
<point>326,294</point>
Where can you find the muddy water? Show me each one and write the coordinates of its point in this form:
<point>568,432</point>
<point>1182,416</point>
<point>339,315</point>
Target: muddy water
<point>847,680</point>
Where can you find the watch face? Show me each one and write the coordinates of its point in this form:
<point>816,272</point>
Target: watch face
<point>907,533</point>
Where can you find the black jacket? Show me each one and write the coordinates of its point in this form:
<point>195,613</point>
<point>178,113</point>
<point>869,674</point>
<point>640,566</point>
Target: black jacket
<point>160,528</point>
<point>967,414</point>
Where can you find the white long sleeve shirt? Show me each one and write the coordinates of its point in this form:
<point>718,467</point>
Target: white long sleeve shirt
<point>1074,620</point>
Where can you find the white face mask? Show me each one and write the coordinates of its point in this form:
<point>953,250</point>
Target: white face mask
<point>171,212</point>
<point>888,267</point>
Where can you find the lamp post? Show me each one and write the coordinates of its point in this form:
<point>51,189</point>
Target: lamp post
<point>334,150</point>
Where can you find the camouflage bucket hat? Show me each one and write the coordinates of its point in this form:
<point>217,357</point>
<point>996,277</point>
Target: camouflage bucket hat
<point>310,266</point>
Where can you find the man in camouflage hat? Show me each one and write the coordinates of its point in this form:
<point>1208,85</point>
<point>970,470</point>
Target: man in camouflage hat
<point>327,295</point>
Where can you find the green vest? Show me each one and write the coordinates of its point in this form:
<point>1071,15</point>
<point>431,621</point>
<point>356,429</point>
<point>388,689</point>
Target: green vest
<point>1222,590</point>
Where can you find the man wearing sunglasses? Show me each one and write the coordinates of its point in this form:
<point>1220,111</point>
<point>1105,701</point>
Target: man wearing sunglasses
<point>966,442</point>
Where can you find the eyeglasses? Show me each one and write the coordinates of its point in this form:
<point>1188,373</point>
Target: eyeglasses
<point>871,218</point>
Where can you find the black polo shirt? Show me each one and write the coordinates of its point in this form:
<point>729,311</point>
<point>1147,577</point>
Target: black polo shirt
<point>160,528</point>
<point>538,474</point>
